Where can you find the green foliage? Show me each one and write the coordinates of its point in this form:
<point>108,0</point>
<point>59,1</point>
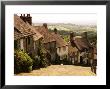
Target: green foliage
<point>36,62</point>
<point>43,61</point>
<point>66,38</point>
<point>22,62</point>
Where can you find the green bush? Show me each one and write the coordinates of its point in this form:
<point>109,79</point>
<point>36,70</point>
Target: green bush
<point>22,62</point>
<point>36,62</point>
<point>44,63</point>
<point>41,53</point>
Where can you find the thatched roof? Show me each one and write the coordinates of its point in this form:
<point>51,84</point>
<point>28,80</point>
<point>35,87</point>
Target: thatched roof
<point>81,43</point>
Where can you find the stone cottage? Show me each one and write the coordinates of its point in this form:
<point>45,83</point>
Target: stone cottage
<point>22,34</point>
<point>48,42</point>
<point>61,46</point>
<point>25,36</point>
<point>72,54</point>
<point>84,48</point>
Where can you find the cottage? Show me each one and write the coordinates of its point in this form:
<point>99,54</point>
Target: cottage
<point>48,42</point>
<point>25,36</point>
<point>61,46</point>
<point>83,46</point>
<point>37,40</point>
<point>72,54</point>
<point>22,34</point>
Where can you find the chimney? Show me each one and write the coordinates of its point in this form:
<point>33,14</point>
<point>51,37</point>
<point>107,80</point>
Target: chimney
<point>27,18</point>
<point>28,15</point>
<point>72,35</point>
<point>55,30</point>
<point>45,25</point>
<point>84,35</point>
<point>24,15</point>
<point>21,16</point>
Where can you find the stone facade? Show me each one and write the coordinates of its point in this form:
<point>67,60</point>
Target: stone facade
<point>51,48</point>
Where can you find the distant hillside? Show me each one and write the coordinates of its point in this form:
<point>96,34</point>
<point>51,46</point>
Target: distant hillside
<point>72,27</point>
<point>65,29</point>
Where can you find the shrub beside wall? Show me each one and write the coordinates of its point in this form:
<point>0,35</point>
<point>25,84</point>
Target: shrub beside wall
<point>22,62</point>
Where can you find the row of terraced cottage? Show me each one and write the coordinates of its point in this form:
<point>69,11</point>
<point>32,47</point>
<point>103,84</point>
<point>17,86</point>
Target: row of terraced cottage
<point>57,51</point>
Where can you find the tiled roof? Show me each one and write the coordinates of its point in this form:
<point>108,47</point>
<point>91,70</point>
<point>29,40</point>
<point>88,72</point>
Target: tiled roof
<point>17,35</point>
<point>49,37</point>
<point>60,42</point>
<point>37,35</point>
<point>46,34</point>
<point>20,25</point>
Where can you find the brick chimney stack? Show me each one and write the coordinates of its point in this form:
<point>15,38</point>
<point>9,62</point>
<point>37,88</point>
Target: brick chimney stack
<point>55,30</point>
<point>23,15</point>
<point>72,35</point>
<point>45,25</point>
<point>27,18</point>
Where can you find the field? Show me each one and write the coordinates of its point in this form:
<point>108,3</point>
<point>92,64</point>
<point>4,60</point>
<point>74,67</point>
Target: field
<point>65,29</point>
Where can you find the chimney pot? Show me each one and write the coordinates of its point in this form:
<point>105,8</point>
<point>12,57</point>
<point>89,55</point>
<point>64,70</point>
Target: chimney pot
<point>24,15</point>
<point>28,15</point>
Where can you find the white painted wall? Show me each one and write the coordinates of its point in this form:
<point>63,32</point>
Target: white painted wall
<point>62,52</point>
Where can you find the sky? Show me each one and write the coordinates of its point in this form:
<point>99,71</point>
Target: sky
<point>75,18</point>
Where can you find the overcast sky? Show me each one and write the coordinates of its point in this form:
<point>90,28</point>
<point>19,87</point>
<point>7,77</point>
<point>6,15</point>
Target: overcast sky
<point>75,18</point>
